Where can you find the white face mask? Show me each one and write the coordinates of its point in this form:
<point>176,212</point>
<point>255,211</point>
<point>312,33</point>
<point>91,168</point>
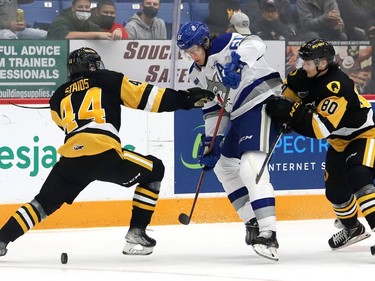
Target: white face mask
<point>83,15</point>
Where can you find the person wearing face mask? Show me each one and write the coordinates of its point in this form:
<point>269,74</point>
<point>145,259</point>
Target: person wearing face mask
<point>145,24</point>
<point>104,15</point>
<point>74,23</point>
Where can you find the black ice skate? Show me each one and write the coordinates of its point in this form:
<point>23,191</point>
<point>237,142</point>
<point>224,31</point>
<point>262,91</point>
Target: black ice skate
<point>3,248</point>
<point>252,230</point>
<point>138,242</point>
<point>266,245</point>
<point>348,236</point>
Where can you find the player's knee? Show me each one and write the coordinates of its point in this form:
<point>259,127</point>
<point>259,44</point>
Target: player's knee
<point>226,168</point>
<point>359,176</point>
<point>153,186</point>
<point>158,169</point>
<point>251,163</point>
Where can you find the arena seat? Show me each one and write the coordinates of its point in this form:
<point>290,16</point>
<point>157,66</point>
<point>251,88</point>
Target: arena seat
<point>40,11</point>
<point>199,11</point>
<point>125,10</point>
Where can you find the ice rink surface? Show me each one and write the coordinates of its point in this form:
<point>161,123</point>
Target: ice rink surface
<point>209,252</point>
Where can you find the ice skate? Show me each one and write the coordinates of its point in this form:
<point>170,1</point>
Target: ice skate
<point>252,230</point>
<point>266,245</point>
<point>348,236</point>
<point>138,242</point>
<point>3,248</point>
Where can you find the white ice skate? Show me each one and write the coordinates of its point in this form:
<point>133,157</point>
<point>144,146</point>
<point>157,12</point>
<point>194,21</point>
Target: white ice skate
<point>266,245</point>
<point>138,243</point>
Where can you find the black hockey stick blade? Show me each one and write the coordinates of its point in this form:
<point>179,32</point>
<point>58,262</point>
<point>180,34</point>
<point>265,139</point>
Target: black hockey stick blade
<point>184,219</point>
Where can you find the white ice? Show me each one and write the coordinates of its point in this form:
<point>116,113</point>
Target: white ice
<point>193,252</point>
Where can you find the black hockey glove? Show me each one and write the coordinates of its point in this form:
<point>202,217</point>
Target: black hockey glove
<point>196,97</point>
<point>285,128</point>
<point>281,108</point>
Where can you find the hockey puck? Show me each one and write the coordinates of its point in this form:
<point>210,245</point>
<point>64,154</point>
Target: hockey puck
<point>373,250</point>
<point>64,258</point>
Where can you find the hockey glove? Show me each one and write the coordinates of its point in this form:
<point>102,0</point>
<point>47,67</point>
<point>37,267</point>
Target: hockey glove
<point>232,72</point>
<point>207,158</point>
<point>196,97</point>
<point>285,128</point>
<point>281,108</point>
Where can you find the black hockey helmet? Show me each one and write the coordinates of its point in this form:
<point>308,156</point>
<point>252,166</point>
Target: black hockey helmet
<point>317,49</point>
<point>83,60</point>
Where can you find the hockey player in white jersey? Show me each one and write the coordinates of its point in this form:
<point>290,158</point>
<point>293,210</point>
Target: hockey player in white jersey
<point>232,66</point>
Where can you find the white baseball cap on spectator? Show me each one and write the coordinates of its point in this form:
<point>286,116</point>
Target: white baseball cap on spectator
<point>241,23</point>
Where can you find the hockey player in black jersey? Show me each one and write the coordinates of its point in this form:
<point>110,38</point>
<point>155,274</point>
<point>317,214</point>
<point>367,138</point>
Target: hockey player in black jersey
<point>321,101</point>
<point>88,109</point>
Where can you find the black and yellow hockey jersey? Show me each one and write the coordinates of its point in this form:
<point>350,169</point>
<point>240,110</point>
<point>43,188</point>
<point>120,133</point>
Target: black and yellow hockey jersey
<point>88,109</point>
<point>332,104</point>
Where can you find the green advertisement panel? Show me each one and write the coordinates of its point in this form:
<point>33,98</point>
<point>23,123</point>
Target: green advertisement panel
<point>31,69</point>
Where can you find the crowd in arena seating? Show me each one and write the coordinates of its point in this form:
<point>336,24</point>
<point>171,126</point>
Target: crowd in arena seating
<point>269,19</point>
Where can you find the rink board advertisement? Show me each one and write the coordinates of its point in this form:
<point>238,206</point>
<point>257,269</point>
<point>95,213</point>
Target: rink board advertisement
<point>28,150</point>
<point>297,163</point>
<point>31,69</point>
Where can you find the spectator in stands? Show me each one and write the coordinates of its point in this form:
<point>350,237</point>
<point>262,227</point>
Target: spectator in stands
<point>219,13</point>
<point>320,18</point>
<point>104,16</point>
<point>286,14</point>
<point>145,24</point>
<point>239,23</point>
<point>74,23</point>
<point>13,28</point>
<point>269,26</point>
<point>359,18</point>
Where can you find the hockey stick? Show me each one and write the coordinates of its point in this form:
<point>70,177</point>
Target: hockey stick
<point>184,218</point>
<point>30,107</point>
<point>269,154</point>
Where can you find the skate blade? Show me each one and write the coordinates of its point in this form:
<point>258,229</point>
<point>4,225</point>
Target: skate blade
<point>266,252</point>
<point>137,249</point>
<point>356,239</point>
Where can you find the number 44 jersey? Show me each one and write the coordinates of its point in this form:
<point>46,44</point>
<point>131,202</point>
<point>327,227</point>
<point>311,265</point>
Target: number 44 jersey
<point>88,109</point>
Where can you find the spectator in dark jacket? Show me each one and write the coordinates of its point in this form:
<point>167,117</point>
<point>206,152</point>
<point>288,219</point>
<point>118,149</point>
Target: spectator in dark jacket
<point>359,18</point>
<point>219,13</point>
<point>253,10</point>
<point>74,23</point>
<point>270,26</point>
<point>320,18</point>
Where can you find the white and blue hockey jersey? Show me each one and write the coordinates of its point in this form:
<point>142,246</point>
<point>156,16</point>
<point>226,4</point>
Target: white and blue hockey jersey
<point>258,79</point>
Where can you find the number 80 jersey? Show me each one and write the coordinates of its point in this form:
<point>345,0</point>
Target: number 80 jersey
<point>339,113</point>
